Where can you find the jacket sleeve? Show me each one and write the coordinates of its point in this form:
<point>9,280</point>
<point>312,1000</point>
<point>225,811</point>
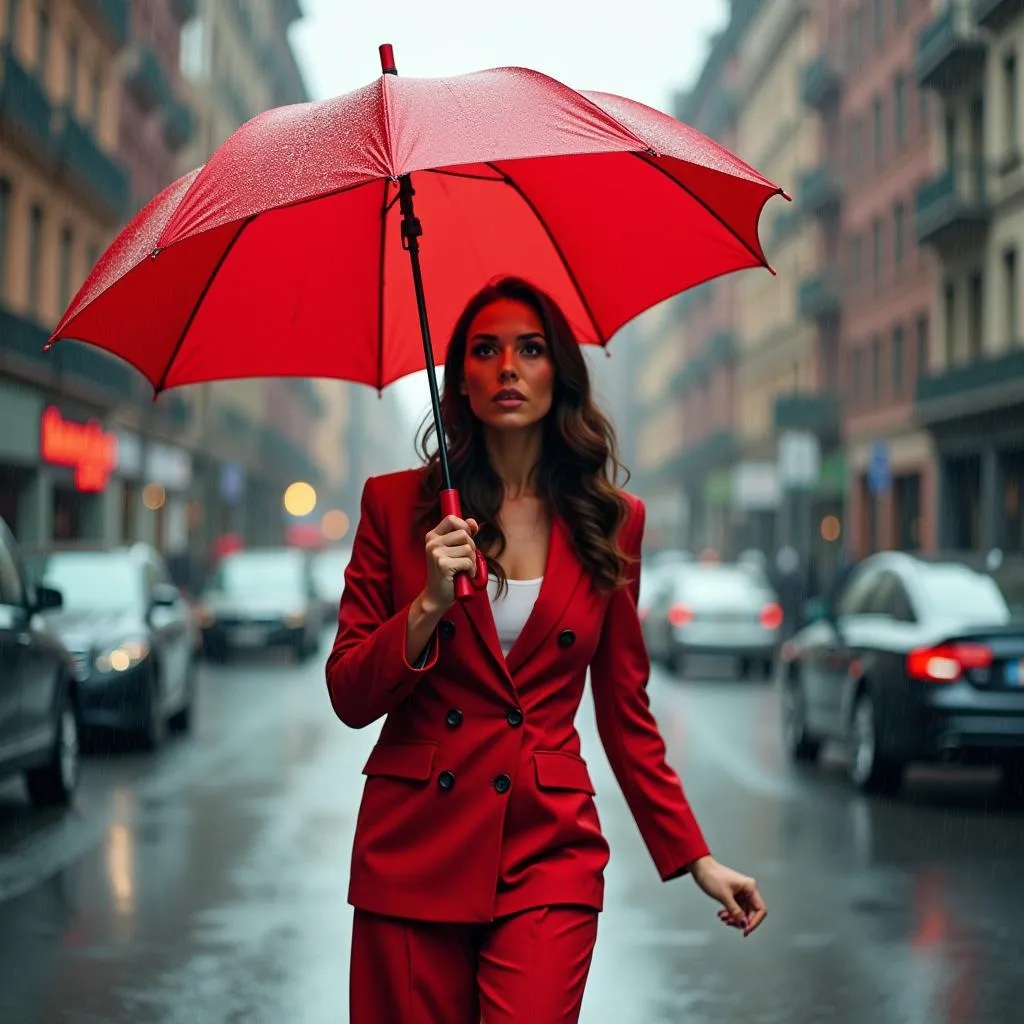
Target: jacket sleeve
<point>367,671</point>
<point>629,733</point>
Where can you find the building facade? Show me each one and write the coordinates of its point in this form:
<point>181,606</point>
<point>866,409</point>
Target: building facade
<point>971,214</point>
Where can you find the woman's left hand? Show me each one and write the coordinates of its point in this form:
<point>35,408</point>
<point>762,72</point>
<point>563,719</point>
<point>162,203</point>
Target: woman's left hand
<point>743,906</point>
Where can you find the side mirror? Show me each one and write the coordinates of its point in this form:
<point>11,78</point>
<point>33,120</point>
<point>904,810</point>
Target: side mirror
<point>47,598</point>
<point>816,609</point>
<point>165,595</point>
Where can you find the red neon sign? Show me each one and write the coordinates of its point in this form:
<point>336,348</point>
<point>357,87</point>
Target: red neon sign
<point>86,447</point>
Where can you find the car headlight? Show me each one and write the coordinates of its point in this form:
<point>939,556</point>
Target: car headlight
<point>124,656</point>
<point>295,619</point>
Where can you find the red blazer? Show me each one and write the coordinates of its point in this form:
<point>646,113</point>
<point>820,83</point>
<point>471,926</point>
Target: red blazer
<point>477,802</point>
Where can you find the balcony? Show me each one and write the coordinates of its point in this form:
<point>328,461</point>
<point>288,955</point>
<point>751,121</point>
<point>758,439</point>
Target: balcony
<point>100,176</point>
<point>22,337</point>
<point>179,125</point>
<point>184,10</point>
<point>984,385</point>
<point>820,192</point>
<point>952,211</point>
<point>818,413</point>
<point>786,223</point>
<point>24,104</point>
<point>698,459</point>
<point>951,50</point>
<point>112,17</point>
<point>995,15</point>
<point>91,366</point>
<point>819,297</point>
<point>722,347</point>
<point>820,84</point>
<point>144,78</point>
<point>690,375</point>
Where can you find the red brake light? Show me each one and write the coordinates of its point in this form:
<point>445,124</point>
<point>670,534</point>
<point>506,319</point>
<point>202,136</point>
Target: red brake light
<point>771,616</point>
<point>642,612</point>
<point>947,662</point>
<point>680,615</point>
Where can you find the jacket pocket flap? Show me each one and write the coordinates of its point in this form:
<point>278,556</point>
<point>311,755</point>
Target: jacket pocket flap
<point>561,769</point>
<point>402,760</point>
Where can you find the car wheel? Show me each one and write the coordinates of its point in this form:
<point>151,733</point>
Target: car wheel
<point>767,670</point>
<point>870,769</point>
<point>675,662</point>
<point>181,720</point>
<point>743,668</point>
<point>154,731</point>
<point>54,784</point>
<point>801,744</point>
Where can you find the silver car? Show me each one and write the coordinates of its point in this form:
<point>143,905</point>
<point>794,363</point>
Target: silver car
<point>722,610</point>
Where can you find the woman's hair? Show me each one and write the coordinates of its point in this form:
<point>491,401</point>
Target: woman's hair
<point>579,464</point>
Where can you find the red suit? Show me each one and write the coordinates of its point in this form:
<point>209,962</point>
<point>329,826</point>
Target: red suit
<point>477,803</point>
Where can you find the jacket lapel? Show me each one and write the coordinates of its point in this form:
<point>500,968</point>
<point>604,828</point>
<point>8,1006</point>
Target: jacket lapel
<point>478,611</point>
<point>561,574</point>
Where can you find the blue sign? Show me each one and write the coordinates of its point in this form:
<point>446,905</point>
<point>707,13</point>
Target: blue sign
<point>232,481</point>
<point>879,469</point>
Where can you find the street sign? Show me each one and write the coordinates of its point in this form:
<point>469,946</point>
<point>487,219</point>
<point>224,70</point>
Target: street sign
<point>879,469</point>
<point>799,458</point>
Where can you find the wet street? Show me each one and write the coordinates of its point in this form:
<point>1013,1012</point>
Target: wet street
<point>207,884</point>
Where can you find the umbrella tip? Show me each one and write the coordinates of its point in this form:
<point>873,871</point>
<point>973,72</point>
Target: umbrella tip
<point>387,59</point>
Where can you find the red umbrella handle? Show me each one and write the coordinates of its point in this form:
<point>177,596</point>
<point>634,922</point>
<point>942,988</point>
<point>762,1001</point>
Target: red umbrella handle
<point>464,583</point>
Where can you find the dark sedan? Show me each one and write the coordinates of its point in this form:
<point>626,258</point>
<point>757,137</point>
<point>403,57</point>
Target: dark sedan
<point>913,660</point>
<point>131,635</point>
<point>38,694</point>
<point>261,598</point>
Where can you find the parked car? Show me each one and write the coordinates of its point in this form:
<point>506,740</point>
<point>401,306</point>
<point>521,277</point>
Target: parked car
<point>722,610</point>
<point>38,692</point>
<point>329,579</point>
<point>131,635</point>
<point>261,598</point>
<point>915,659</point>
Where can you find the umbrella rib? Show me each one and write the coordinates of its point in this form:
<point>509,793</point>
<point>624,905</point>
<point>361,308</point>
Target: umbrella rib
<point>760,257</point>
<point>385,207</point>
<point>195,309</point>
<point>558,249</point>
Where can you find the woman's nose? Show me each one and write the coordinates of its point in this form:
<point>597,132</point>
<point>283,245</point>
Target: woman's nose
<point>508,371</point>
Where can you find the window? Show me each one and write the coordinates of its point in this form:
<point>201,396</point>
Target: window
<point>854,597</point>
<point>878,129</point>
<point>35,256</point>
<point>898,358</point>
<point>72,75</point>
<point>879,22</point>
<point>42,39</point>
<point>856,143</point>
<point>899,218</point>
<point>877,238</point>
<point>97,93</point>
<point>67,241</point>
<point>1012,298</point>
<point>899,112</point>
<point>1011,103</point>
<point>856,31</point>
<point>975,314</point>
<point>922,345</point>
<point>876,369</point>
<point>5,207</point>
<point>858,376</point>
<point>857,259</point>
<point>949,313</point>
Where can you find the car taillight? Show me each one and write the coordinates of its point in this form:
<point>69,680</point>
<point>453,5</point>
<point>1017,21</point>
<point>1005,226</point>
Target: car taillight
<point>771,616</point>
<point>947,662</point>
<point>642,612</point>
<point>680,615</point>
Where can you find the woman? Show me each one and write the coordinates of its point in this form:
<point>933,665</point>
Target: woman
<point>478,859</point>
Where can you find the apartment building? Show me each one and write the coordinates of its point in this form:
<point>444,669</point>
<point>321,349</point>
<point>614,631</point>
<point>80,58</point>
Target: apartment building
<point>885,156</point>
<point>971,214</point>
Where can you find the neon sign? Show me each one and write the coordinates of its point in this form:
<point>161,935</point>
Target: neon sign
<point>86,447</point>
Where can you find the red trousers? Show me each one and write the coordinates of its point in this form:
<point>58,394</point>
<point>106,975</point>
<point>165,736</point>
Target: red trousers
<point>529,968</point>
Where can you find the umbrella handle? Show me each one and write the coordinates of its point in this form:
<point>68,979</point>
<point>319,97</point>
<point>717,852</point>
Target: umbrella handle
<point>464,583</point>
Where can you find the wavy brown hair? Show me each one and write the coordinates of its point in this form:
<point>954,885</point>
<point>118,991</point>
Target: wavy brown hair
<point>579,465</point>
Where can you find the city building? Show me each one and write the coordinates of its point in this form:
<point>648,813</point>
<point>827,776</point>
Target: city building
<point>883,155</point>
<point>971,214</point>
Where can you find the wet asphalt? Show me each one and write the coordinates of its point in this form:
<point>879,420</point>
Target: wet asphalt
<point>207,883</point>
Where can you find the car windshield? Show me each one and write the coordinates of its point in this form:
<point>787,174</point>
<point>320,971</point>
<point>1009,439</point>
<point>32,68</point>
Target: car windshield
<point>329,568</point>
<point>253,572</point>
<point>91,580</point>
<point>721,585</point>
<point>968,595</point>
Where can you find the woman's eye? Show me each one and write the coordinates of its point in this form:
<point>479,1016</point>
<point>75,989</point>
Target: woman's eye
<point>533,349</point>
<point>482,349</point>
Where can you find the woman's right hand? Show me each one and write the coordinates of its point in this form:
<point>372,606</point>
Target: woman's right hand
<point>450,549</point>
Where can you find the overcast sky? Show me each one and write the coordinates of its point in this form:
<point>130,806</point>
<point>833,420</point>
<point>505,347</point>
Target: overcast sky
<point>644,49</point>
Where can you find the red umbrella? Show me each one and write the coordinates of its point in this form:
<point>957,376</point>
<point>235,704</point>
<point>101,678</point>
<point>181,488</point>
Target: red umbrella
<point>285,255</point>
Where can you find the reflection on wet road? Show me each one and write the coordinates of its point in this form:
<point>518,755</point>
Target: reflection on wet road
<point>207,883</point>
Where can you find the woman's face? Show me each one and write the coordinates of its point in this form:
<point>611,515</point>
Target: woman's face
<point>508,374</point>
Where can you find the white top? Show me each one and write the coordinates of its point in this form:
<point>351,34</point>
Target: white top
<point>513,608</point>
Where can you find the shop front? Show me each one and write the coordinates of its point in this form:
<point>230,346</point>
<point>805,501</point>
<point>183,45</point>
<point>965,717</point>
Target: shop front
<point>19,455</point>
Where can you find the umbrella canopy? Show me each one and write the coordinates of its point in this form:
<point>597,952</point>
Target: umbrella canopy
<point>283,255</point>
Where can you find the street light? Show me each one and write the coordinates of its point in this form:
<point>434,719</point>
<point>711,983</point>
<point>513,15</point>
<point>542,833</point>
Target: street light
<point>334,524</point>
<point>299,499</point>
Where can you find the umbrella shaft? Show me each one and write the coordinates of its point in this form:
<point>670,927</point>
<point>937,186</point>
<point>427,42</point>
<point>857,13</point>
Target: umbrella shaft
<point>411,231</point>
